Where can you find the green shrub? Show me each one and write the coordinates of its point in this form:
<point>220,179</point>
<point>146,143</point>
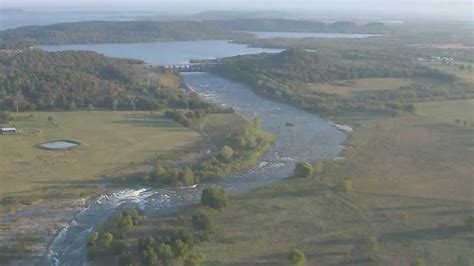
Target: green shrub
<point>5,117</point>
<point>345,186</point>
<point>214,198</point>
<point>165,252</point>
<point>303,170</point>
<point>187,177</point>
<point>297,257</point>
<point>149,257</point>
<point>92,241</point>
<point>124,220</point>
<point>180,249</point>
<point>201,221</point>
<point>106,240</point>
<point>193,260</point>
<point>227,152</point>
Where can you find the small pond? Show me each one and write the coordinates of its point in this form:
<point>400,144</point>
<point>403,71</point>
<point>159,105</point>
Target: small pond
<point>59,145</point>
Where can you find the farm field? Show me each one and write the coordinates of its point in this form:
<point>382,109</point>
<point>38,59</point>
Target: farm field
<point>348,87</point>
<point>448,111</point>
<point>410,198</point>
<point>109,141</point>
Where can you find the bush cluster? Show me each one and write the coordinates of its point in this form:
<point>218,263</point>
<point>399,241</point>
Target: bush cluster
<point>242,149</point>
<point>214,198</point>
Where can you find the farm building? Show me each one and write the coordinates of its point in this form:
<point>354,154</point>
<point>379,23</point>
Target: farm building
<point>8,131</point>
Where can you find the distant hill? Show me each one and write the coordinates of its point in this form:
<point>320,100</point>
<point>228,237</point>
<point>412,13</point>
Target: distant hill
<point>153,31</point>
<point>117,32</point>
<point>289,25</point>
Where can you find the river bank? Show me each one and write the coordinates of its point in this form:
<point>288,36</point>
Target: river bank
<point>396,212</point>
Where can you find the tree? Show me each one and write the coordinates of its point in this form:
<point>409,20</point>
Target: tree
<point>187,176</point>
<point>72,106</point>
<point>297,257</point>
<point>193,260</point>
<point>215,198</point>
<point>92,241</point>
<point>165,252</point>
<point>227,152</point>
<point>345,186</point>
<point>159,171</point>
<point>201,221</point>
<point>180,248</point>
<point>150,257</point>
<point>106,240</point>
<point>124,220</point>
<point>303,170</point>
<point>5,117</point>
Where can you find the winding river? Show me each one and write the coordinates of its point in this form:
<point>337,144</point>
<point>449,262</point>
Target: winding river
<point>311,138</point>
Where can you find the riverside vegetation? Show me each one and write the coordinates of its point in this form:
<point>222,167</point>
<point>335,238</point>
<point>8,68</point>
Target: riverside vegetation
<point>170,241</point>
<point>393,199</point>
<point>50,95</point>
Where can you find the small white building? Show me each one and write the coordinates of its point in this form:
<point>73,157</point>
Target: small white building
<point>8,131</point>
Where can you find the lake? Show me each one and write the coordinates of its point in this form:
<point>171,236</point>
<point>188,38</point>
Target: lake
<point>269,34</point>
<point>166,53</point>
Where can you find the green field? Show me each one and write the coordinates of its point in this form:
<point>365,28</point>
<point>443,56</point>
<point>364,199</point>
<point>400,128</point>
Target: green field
<point>349,87</point>
<point>406,193</point>
<point>110,141</point>
<point>448,111</point>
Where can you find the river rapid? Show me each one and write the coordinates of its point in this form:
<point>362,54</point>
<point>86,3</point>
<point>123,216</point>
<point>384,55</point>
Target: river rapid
<point>311,138</point>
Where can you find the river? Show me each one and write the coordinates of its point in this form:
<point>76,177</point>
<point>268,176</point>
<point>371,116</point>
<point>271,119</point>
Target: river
<point>311,138</point>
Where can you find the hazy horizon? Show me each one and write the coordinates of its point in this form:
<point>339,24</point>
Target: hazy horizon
<point>442,9</point>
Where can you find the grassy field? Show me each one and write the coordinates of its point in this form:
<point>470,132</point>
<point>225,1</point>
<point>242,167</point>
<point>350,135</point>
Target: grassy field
<point>109,141</point>
<point>448,111</point>
<point>348,87</point>
<point>412,189</point>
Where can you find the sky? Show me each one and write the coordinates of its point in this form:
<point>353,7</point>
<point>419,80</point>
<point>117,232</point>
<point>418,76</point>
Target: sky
<point>461,8</point>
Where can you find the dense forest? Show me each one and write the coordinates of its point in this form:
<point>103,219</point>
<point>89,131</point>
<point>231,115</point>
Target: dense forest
<point>38,80</point>
<point>118,32</point>
<point>283,76</point>
<point>152,31</point>
<point>289,25</point>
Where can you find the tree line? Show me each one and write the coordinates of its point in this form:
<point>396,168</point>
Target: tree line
<point>283,76</point>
